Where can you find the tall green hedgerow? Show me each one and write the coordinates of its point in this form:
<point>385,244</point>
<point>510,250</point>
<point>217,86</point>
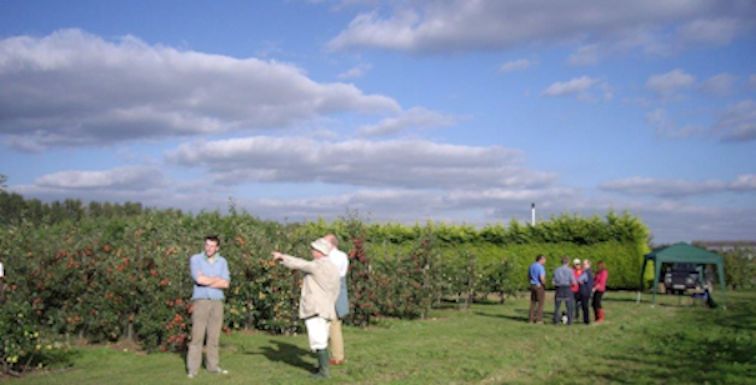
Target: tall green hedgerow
<point>104,274</point>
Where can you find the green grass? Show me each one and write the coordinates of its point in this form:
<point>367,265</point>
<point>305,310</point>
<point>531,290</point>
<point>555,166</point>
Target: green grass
<point>669,343</point>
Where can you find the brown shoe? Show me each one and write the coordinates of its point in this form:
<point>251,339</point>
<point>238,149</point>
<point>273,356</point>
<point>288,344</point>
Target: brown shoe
<point>335,362</point>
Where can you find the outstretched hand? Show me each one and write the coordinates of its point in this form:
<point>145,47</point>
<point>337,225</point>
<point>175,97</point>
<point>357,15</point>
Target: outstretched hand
<point>277,256</point>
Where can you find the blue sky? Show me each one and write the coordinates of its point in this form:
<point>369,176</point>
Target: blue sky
<point>455,111</point>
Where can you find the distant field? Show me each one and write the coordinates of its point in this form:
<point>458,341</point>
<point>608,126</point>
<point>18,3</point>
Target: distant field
<point>670,343</point>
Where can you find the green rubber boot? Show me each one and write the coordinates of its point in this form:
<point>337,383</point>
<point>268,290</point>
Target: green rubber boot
<point>322,364</point>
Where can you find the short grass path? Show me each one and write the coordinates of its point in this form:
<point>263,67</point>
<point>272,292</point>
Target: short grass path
<point>487,344</point>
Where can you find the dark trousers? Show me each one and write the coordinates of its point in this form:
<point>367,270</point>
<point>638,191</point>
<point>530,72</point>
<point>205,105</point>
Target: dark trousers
<point>578,303</point>
<point>585,298</point>
<point>537,295</point>
<point>563,293</point>
<point>597,301</point>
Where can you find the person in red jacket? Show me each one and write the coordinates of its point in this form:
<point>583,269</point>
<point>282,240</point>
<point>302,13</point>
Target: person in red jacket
<point>599,287</point>
<point>577,269</point>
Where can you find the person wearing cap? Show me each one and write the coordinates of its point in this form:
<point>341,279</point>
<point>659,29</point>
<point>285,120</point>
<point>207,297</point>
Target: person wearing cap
<point>563,279</point>
<point>317,304</point>
<point>577,269</point>
<point>338,258</point>
<point>209,271</point>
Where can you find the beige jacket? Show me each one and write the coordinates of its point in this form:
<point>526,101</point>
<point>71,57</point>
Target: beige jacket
<point>320,286</point>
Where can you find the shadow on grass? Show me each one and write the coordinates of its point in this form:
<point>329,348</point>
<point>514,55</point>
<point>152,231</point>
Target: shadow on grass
<point>621,299</point>
<point>702,345</point>
<point>284,352</point>
<point>517,318</point>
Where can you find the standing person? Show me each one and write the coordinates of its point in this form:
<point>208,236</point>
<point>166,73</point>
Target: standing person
<point>537,279</point>
<point>585,281</point>
<point>599,287</point>
<point>577,269</point>
<point>210,274</point>
<point>563,280</point>
<point>317,305</point>
<point>338,258</point>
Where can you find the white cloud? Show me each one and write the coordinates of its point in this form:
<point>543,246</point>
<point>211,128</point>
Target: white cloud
<point>516,65</point>
<point>396,163</point>
<point>737,123</point>
<point>462,25</point>
<point>124,178</point>
<point>585,55</point>
<point>580,87</point>
<point>719,85</point>
<point>416,117</point>
<point>745,182</point>
<point>355,72</point>
<point>73,88</point>
<point>711,30</point>
<point>676,188</point>
<point>671,83</point>
<point>665,127</point>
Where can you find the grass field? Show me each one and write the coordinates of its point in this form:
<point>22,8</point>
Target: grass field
<point>670,343</point>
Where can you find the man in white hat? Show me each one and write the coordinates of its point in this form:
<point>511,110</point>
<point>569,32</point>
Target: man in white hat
<point>317,305</point>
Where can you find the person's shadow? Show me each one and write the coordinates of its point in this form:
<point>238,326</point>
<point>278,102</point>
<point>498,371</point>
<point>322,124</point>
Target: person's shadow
<point>285,352</point>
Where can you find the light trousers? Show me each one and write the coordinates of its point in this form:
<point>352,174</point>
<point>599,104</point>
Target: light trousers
<point>207,318</point>
<point>317,332</point>
<point>337,341</point>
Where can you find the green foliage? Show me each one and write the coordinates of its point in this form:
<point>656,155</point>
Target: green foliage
<point>740,269</point>
<point>105,272</point>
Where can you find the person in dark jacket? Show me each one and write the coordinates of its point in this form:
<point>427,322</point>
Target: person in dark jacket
<point>585,281</point>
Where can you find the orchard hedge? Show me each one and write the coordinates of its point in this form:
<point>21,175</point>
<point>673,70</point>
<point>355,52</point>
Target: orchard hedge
<point>104,278</point>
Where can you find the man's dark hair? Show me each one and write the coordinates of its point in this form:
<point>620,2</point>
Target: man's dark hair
<point>213,238</point>
<point>538,258</point>
<point>565,260</point>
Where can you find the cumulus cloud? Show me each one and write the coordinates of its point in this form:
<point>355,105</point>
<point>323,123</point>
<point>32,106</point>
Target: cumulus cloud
<point>737,123</point>
<point>73,88</point>
<point>124,178</point>
<point>666,127</point>
<point>355,72</point>
<point>416,117</point>
<point>516,65</point>
<point>585,55</point>
<point>676,188</point>
<point>461,25</point>
<point>396,163</point>
<point>671,83</point>
<point>582,87</point>
<point>719,30</point>
<point>719,85</point>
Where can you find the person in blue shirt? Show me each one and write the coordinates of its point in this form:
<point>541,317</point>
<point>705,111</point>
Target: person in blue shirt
<point>537,279</point>
<point>210,275</point>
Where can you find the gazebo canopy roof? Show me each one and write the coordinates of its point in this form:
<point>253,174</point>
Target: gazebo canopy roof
<point>684,253</point>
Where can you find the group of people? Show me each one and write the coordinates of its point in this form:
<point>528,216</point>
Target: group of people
<point>577,287</point>
<point>323,302</point>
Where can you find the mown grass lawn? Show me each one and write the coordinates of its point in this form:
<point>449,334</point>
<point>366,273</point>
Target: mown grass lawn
<point>670,343</point>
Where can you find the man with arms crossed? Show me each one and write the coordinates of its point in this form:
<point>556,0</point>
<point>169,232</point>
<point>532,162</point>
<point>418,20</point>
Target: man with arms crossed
<point>210,275</point>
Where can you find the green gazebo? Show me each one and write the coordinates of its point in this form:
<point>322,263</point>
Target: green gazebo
<point>681,253</point>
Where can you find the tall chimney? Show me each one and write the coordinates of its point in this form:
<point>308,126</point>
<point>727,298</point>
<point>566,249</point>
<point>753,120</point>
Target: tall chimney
<point>532,214</point>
